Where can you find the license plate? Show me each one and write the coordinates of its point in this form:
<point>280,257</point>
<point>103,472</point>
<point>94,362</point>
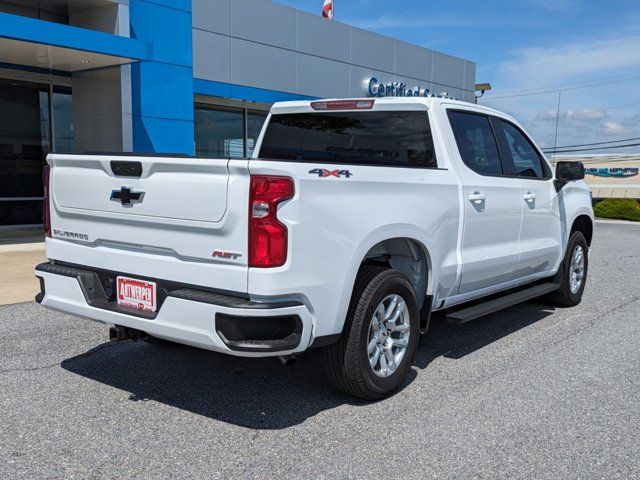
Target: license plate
<point>136,294</point>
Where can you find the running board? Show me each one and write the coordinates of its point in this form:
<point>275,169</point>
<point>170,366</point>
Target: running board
<point>482,309</point>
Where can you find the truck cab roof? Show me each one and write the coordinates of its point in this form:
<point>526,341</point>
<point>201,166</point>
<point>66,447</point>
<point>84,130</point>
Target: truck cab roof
<point>380,104</point>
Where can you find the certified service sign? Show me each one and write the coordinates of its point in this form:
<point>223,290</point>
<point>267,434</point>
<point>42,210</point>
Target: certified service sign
<point>375,88</point>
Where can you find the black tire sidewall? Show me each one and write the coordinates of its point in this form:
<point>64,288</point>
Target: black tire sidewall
<point>577,239</point>
<point>399,285</point>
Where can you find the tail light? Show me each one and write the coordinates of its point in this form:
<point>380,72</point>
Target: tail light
<point>46,180</point>
<point>267,235</point>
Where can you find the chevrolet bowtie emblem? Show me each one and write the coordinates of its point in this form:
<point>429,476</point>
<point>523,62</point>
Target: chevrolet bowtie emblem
<point>126,196</point>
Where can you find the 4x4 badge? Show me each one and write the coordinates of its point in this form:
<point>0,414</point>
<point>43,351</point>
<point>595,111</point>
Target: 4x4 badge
<point>323,173</point>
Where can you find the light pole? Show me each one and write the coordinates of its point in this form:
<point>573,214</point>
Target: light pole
<point>481,87</point>
<point>555,139</point>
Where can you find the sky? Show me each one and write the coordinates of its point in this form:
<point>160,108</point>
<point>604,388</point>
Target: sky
<point>590,50</point>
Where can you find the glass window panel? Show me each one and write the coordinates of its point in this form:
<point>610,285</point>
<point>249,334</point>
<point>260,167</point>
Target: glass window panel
<point>219,133</point>
<point>400,138</point>
<point>525,158</point>
<point>476,142</point>
<point>21,213</point>
<point>49,11</point>
<point>255,121</point>
<point>24,141</point>
<point>63,122</point>
<point>45,121</point>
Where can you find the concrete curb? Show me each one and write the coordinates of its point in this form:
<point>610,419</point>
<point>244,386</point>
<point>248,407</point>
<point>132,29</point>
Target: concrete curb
<point>618,222</point>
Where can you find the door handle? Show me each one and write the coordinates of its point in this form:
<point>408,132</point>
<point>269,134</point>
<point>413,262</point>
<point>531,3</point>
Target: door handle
<point>477,198</point>
<point>529,197</point>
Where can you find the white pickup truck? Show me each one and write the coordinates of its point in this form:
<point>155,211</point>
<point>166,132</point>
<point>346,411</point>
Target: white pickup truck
<point>352,222</point>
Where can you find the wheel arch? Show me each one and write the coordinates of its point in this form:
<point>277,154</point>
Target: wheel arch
<point>408,255</point>
<point>583,223</point>
<point>371,243</point>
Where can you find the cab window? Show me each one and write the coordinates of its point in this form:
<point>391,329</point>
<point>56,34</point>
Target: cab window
<point>520,156</point>
<point>476,142</point>
<point>395,139</point>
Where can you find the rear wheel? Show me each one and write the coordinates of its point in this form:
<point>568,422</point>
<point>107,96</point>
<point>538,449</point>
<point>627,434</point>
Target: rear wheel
<point>373,355</point>
<point>573,275</point>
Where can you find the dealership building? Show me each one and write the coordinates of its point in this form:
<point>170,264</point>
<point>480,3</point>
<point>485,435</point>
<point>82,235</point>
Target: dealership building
<point>194,77</point>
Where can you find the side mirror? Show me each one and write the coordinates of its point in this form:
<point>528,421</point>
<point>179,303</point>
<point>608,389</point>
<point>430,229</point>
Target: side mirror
<point>569,172</point>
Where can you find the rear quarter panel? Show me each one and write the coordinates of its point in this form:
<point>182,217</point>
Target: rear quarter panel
<point>333,222</point>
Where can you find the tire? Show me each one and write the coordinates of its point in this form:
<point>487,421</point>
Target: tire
<point>567,296</point>
<point>347,363</point>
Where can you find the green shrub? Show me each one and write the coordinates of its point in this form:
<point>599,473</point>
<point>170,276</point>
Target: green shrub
<point>618,208</point>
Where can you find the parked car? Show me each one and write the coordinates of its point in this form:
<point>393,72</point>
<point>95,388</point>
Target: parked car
<point>352,222</point>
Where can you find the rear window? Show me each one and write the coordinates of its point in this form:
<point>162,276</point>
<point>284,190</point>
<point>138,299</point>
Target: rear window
<point>399,139</point>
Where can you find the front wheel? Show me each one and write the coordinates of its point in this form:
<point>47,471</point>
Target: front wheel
<point>573,274</point>
<point>374,353</point>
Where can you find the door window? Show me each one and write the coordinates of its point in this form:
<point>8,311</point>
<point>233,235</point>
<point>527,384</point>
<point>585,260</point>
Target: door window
<point>521,156</point>
<point>476,142</point>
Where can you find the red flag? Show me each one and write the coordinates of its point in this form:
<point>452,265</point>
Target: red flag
<point>327,9</point>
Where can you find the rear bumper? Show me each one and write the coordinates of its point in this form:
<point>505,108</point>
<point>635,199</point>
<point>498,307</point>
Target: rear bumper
<point>213,321</point>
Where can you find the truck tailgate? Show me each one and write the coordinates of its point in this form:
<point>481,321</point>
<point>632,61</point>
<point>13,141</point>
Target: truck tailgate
<point>152,216</point>
<point>173,188</point>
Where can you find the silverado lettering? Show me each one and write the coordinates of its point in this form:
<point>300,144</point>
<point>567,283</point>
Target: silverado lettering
<point>72,235</point>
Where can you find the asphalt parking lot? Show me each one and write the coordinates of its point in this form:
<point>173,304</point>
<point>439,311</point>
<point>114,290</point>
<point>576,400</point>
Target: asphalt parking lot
<point>530,392</point>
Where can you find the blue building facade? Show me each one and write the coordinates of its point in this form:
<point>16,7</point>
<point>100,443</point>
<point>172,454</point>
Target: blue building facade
<point>195,77</point>
<point>162,87</point>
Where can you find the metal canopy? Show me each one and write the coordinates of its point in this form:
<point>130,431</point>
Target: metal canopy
<point>50,57</point>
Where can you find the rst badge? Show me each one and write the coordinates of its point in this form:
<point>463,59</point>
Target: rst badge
<point>324,173</point>
<point>226,255</point>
